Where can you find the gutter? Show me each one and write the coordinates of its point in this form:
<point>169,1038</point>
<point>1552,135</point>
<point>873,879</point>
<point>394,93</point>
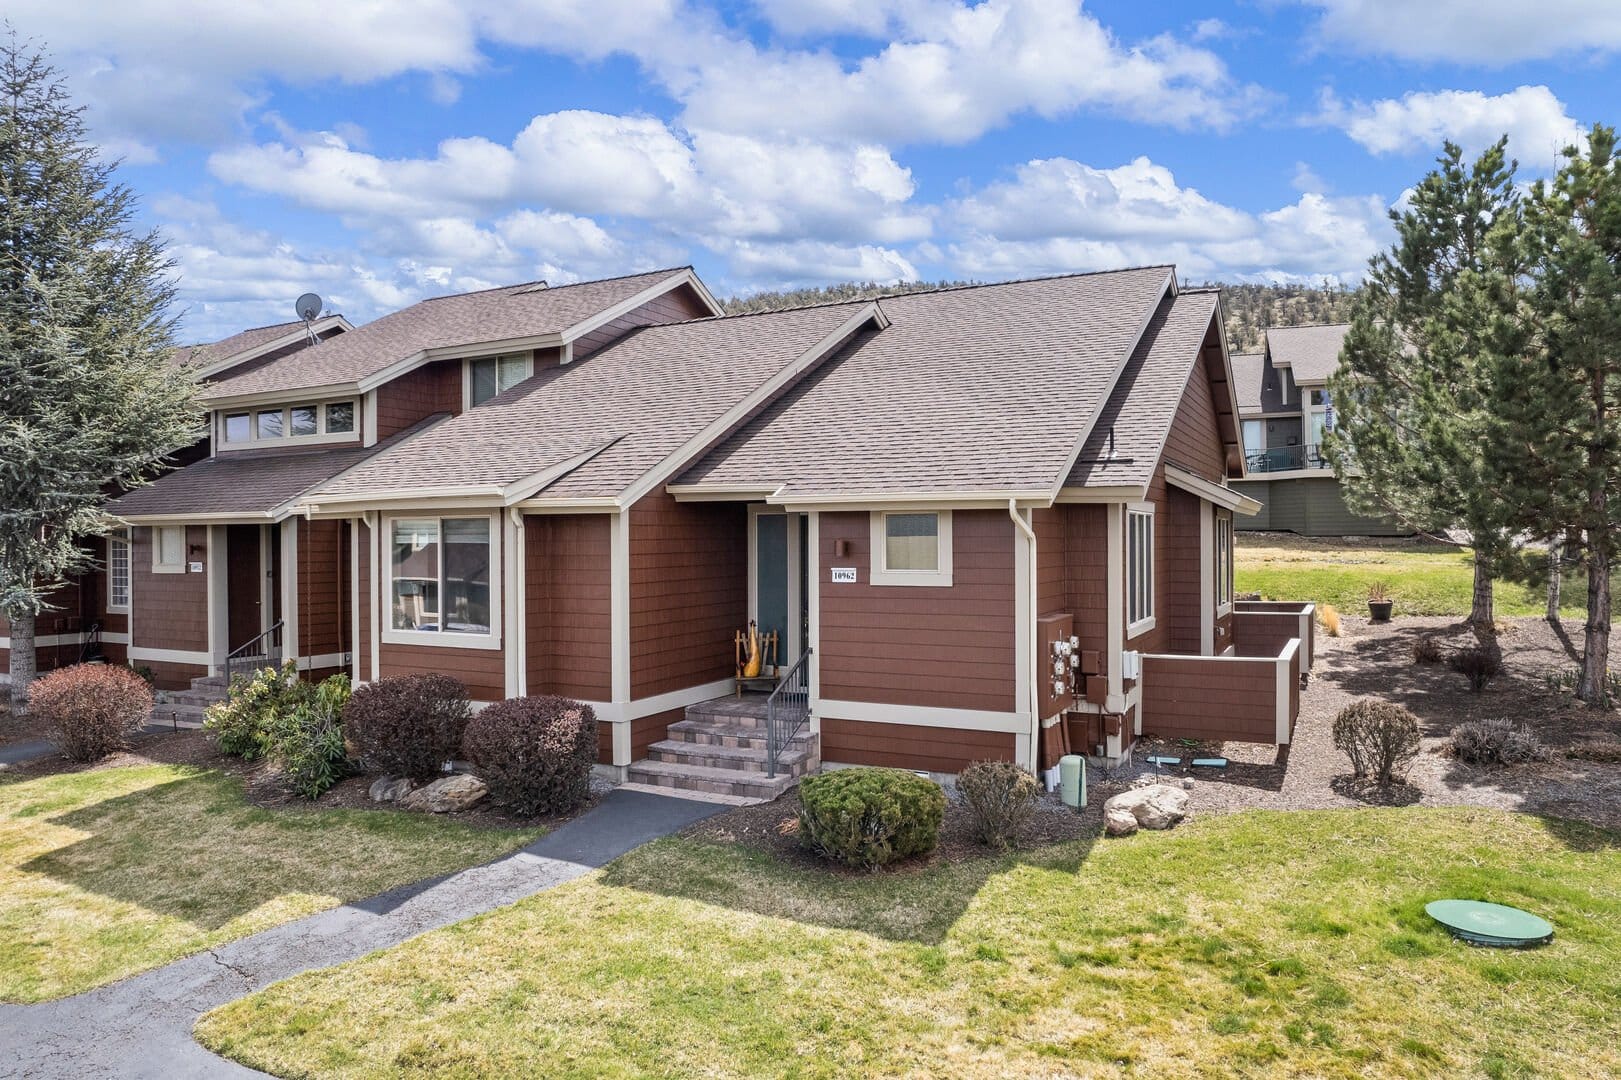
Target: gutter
<point>1035,689</point>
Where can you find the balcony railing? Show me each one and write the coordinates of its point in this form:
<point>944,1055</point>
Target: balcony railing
<point>1287,459</point>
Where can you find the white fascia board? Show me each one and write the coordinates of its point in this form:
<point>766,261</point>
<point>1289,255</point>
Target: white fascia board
<point>903,500</point>
<point>1219,494</point>
<point>704,493</point>
<point>225,363</point>
<point>683,455</point>
<point>222,402</point>
<point>1108,493</point>
<point>234,518</point>
<point>1167,289</point>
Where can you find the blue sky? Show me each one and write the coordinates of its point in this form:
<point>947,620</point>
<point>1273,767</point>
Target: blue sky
<point>377,152</point>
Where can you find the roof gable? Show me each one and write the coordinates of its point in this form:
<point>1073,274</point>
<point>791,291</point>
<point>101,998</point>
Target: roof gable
<point>1312,353</point>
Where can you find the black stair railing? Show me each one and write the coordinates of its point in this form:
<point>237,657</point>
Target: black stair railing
<point>262,651</point>
<point>787,711</point>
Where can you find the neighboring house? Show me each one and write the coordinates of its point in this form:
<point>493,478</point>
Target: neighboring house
<point>1284,404</point>
<point>589,490</point>
<point>90,615</point>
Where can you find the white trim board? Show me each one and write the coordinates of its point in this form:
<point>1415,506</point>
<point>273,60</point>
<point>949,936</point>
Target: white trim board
<point>1219,494</point>
<point>925,716</point>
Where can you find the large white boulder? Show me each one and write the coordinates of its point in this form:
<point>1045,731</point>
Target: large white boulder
<point>446,795</point>
<point>1158,806</point>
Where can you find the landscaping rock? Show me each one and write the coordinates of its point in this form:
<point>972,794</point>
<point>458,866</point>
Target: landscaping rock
<point>391,788</point>
<point>1157,807</point>
<point>446,795</point>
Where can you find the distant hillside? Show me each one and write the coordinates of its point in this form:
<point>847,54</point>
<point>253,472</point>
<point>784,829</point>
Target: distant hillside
<point>1250,308</point>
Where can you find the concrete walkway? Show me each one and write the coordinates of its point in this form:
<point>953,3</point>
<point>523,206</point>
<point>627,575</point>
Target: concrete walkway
<point>31,749</point>
<point>141,1027</point>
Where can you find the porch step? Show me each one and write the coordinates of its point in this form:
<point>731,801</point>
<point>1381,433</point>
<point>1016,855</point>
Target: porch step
<point>724,733</point>
<point>670,774</point>
<point>197,697</point>
<point>177,715</point>
<point>745,759</point>
<point>746,711</point>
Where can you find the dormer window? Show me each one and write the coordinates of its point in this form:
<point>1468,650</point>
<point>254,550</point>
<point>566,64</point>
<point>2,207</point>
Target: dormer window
<point>332,421</point>
<point>494,374</point>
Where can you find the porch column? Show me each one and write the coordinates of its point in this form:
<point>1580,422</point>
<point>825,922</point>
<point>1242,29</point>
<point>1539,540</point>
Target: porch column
<point>218,599</point>
<point>289,588</point>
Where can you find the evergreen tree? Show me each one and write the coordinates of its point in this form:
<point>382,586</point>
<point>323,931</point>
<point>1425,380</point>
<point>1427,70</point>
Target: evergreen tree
<point>1413,394</point>
<point>1559,379</point>
<point>89,401</point>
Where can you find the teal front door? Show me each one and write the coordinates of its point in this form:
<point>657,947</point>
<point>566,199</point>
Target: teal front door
<point>777,595</point>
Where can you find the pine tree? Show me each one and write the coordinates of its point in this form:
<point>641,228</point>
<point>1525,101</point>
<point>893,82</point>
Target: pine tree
<point>1559,379</point>
<point>89,401</point>
<point>1413,393</point>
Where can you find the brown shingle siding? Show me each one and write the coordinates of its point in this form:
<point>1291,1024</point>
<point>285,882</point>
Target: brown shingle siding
<point>568,606</point>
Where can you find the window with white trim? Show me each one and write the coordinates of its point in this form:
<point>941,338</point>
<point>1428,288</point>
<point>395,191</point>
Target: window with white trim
<point>330,421</point>
<point>494,374</point>
<point>1224,562</point>
<point>168,549</point>
<point>440,575</point>
<point>118,570</point>
<point>911,547</point>
<point>1139,570</point>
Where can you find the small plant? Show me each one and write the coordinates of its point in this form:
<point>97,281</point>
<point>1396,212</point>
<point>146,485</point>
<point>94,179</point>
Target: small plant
<point>1565,682</point>
<point>1496,741</point>
<point>1380,738</point>
<point>535,753</point>
<point>90,710</point>
<point>1378,592</point>
<point>408,725</point>
<point>304,739</point>
<point>1329,616</point>
<point>1001,797</point>
<point>1480,666</point>
<point>147,675</point>
<point>868,817</point>
<point>240,724</point>
<point>1427,650</point>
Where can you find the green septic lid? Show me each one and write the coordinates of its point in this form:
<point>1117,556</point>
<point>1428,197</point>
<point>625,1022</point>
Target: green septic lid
<point>1490,924</point>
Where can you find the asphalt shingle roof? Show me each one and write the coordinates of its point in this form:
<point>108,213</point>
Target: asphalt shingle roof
<point>467,319</point>
<point>983,388</point>
<point>631,404</point>
<point>1144,402</point>
<point>246,341</point>
<point>1248,370</point>
<point>1311,352</point>
<point>248,483</point>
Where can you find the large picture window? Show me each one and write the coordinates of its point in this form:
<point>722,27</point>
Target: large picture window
<point>911,548</point>
<point>440,576</point>
<point>1139,570</point>
<point>118,571</point>
<point>332,421</point>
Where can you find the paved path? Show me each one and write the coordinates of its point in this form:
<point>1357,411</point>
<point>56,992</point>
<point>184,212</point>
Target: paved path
<point>141,1027</point>
<point>29,749</point>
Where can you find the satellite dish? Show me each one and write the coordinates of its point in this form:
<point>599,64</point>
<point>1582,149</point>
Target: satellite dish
<point>308,307</point>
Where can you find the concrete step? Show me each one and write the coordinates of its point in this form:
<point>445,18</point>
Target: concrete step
<point>696,796</point>
<point>721,733</point>
<point>209,682</point>
<point>740,758</point>
<point>669,774</point>
<point>197,697</point>
<point>747,711</point>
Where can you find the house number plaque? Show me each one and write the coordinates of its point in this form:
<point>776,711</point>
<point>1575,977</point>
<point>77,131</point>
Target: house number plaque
<point>844,575</point>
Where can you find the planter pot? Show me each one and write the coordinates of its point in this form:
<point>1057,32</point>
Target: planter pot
<point>1379,610</point>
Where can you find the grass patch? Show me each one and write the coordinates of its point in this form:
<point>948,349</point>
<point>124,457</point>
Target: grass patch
<point>1423,578</point>
<point>1234,945</point>
<point>113,871</point>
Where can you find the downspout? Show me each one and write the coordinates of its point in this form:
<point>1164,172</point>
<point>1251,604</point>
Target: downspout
<point>1035,688</point>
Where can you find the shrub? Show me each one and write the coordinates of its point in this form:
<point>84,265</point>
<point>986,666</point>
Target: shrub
<point>1496,741</point>
<point>1426,650</point>
<point>240,724</point>
<point>1480,666</point>
<point>869,817</point>
<point>1605,753</point>
<point>1380,738</point>
<point>407,725</point>
<point>1329,616</point>
<point>535,753</point>
<point>90,710</point>
<point>147,675</point>
<point>1001,798</point>
<point>304,738</point>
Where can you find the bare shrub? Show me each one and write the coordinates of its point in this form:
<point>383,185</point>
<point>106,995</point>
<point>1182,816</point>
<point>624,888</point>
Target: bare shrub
<point>1380,738</point>
<point>1496,741</point>
<point>91,710</point>
<point>1480,666</point>
<point>1426,650</point>
<point>1001,797</point>
<point>1329,616</point>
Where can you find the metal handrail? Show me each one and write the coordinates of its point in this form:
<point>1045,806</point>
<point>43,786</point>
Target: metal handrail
<point>786,711</point>
<point>1287,458</point>
<point>90,648</point>
<point>240,654</point>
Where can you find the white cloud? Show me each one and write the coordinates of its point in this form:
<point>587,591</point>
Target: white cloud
<point>1536,122</point>
<point>1471,31</point>
<point>1058,215</point>
<point>800,262</point>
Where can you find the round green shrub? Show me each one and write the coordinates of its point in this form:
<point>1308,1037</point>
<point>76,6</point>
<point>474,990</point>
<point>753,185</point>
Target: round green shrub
<point>535,753</point>
<point>407,725</point>
<point>90,710</point>
<point>869,817</point>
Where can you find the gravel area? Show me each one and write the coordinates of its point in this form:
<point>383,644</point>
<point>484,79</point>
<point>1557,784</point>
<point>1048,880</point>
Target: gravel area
<point>1371,660</point>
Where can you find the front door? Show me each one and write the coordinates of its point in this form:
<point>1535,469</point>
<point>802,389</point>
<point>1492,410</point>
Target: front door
<point>244,584</point>
<point>777,594</point>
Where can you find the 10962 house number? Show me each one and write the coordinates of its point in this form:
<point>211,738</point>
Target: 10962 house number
<point>844,575</point>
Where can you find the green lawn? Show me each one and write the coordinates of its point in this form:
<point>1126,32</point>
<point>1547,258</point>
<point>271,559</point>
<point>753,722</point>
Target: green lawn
<point>1424,578</point>
<point>1265,942</point>
<point>109,872</point>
